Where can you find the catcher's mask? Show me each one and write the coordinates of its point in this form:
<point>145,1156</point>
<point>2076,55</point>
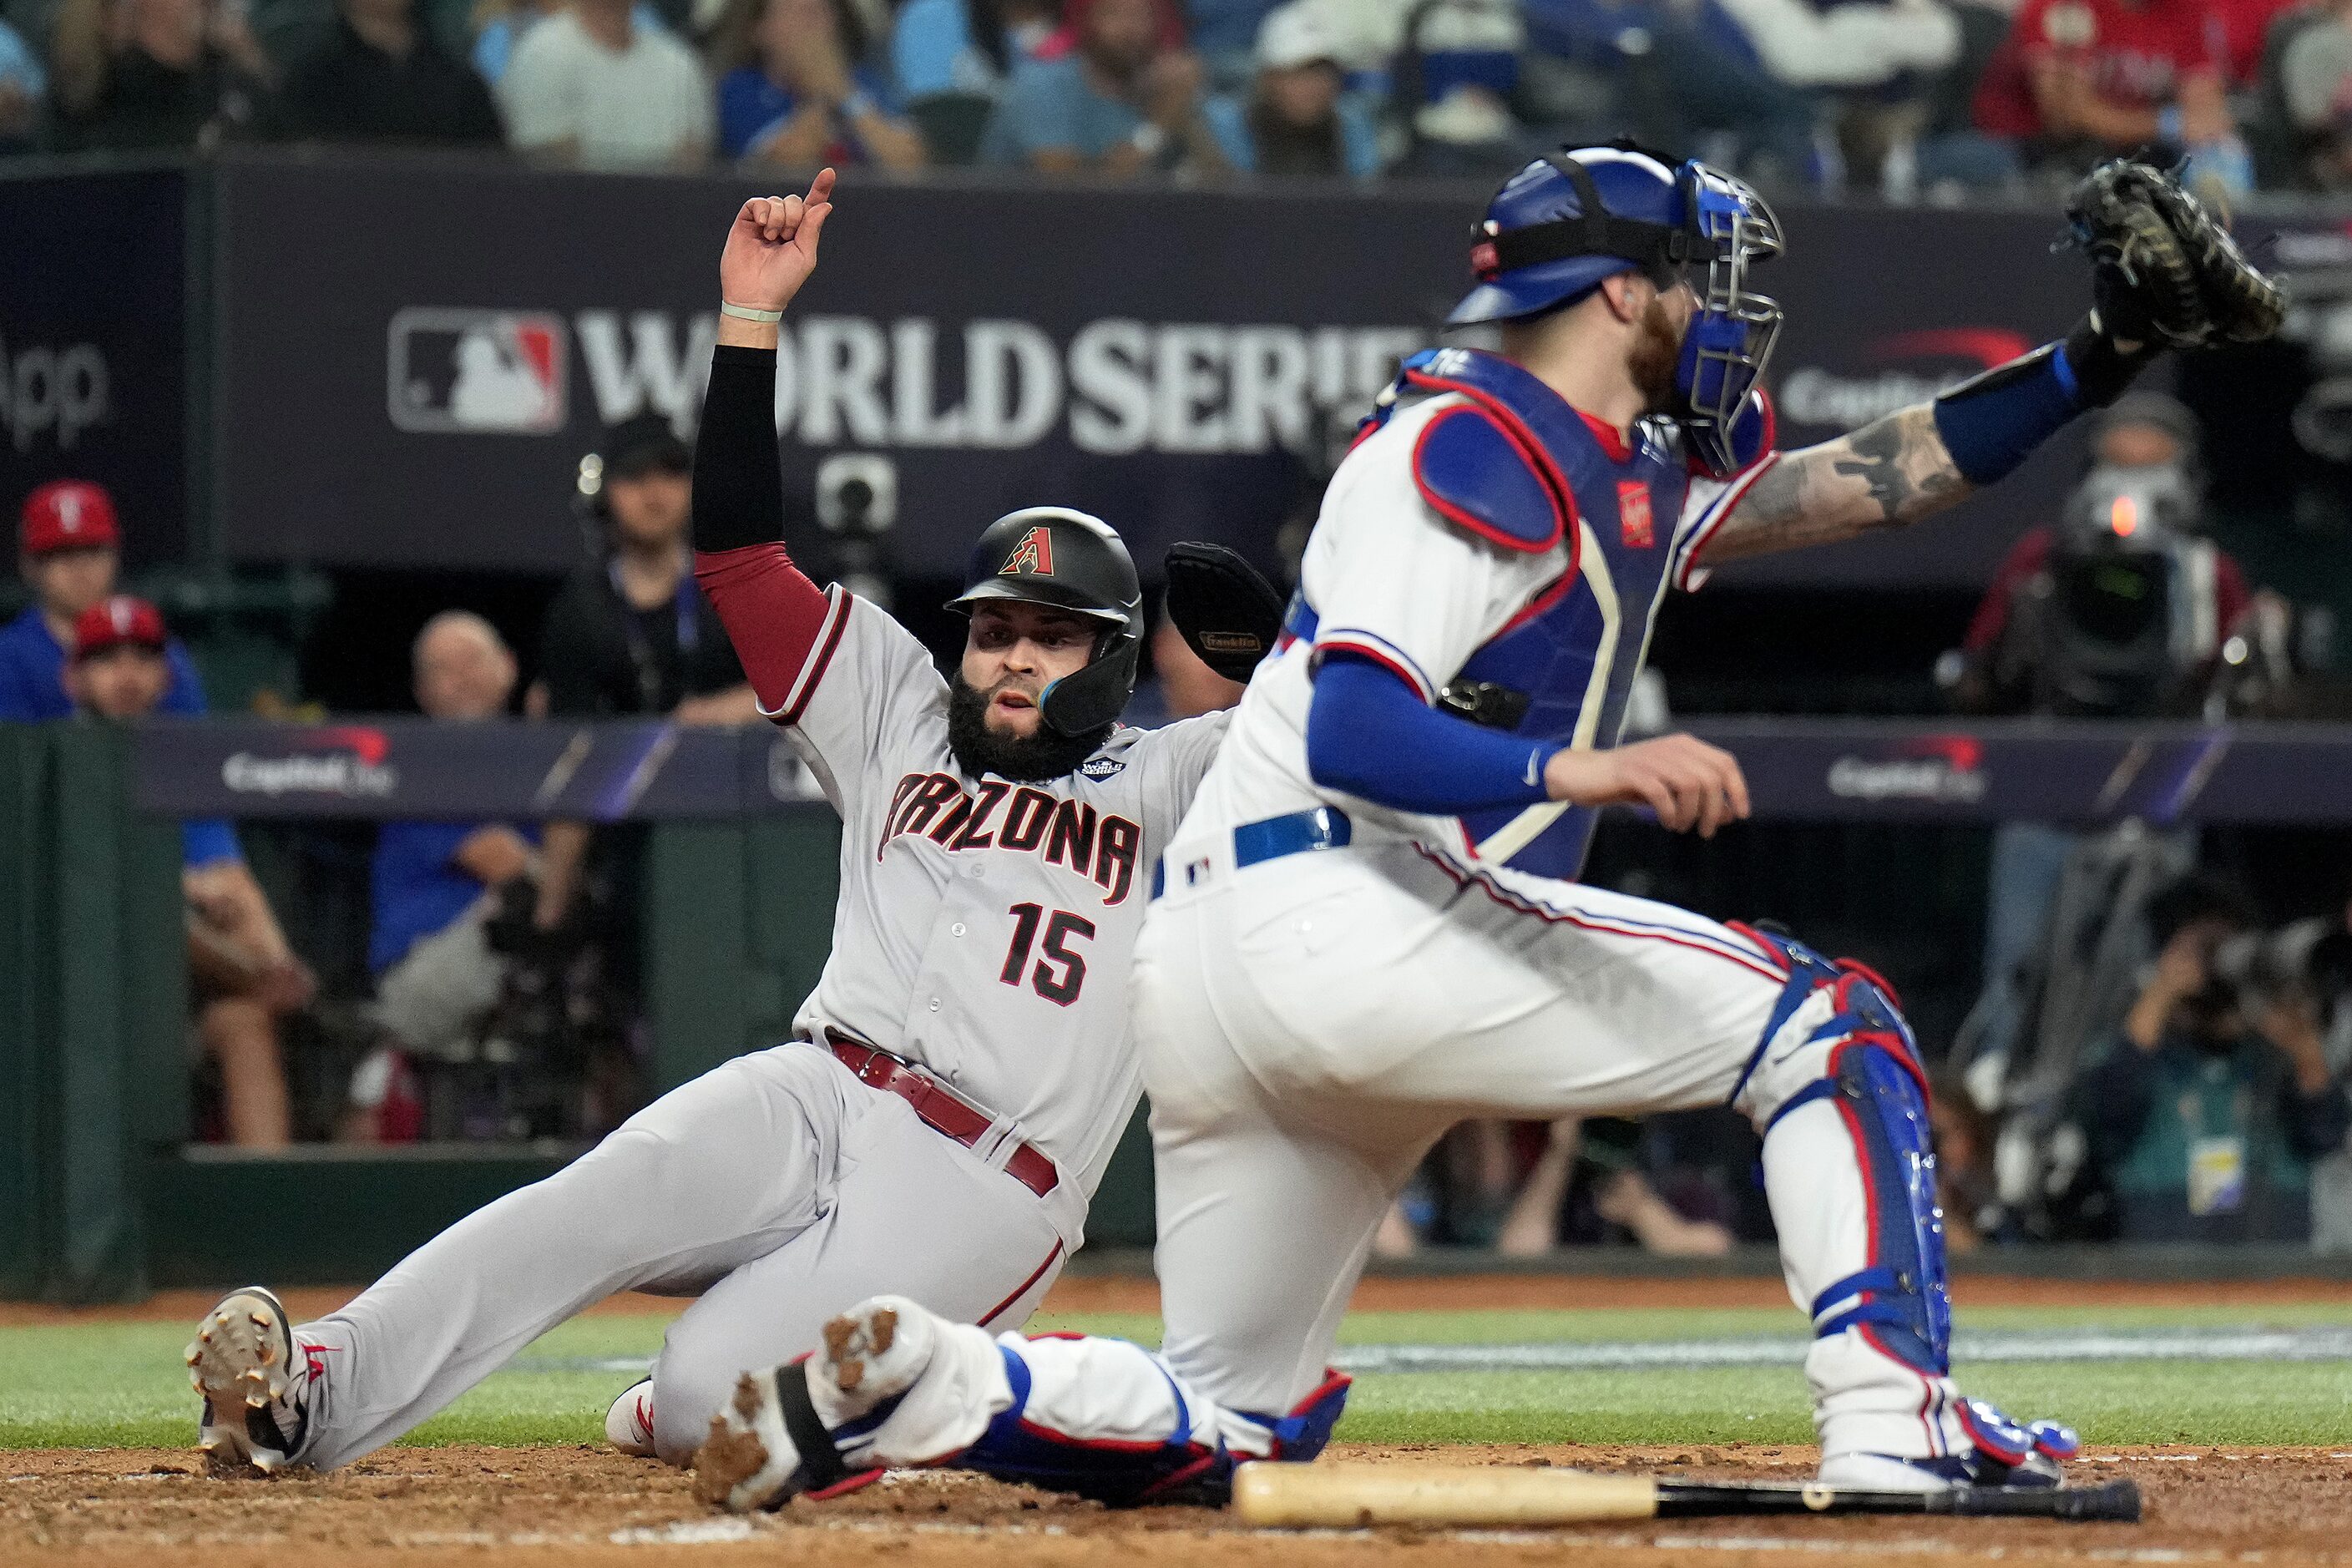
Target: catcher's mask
<point>1573,217</point>
<point>1053,555</point>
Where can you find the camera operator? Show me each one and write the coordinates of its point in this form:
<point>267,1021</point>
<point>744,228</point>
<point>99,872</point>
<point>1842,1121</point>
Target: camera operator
<point>2206,1109</point>
<point>629,633</point>
<point>2118,611</point>
<point>628,636</point>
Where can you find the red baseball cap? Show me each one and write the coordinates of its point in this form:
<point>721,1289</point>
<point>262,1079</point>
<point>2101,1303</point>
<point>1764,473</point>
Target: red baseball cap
<point>68,514</point>
<point>115,622</point>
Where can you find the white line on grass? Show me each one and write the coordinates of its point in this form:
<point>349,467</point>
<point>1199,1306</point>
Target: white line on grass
<point>2250,1344</point>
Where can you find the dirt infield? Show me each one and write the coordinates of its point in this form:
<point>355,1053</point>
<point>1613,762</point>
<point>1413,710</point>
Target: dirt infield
<point>1393,1292</point>
<point>493,1507</point>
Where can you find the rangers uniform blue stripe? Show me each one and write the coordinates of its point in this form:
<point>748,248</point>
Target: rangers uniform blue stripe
<point>1323,827</point>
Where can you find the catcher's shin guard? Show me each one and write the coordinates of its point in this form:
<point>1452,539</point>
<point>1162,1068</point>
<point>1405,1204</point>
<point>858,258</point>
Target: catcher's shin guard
<point>1837,1091</point>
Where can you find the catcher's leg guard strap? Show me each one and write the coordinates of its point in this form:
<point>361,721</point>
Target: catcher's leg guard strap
<point>1900,1298</point>
<point>820,1464</point>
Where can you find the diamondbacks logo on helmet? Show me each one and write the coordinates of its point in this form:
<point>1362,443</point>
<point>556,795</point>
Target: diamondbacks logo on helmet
<point>1033,556</point>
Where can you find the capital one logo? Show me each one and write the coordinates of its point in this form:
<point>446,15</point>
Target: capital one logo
<point>346,760</point>
<point>1898,371</point>
<point>476,372</point>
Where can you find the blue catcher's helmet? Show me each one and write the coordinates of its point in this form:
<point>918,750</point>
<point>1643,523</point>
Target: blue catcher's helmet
<point>1575,217</point>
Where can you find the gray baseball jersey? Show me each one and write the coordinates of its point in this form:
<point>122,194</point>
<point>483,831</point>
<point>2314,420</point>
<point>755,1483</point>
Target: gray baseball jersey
<point>985,927</point>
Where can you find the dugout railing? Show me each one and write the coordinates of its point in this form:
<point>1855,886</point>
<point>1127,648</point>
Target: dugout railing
<point>101,1196</point>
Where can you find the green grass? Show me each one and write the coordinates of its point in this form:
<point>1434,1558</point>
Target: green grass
<point>108,1384</point>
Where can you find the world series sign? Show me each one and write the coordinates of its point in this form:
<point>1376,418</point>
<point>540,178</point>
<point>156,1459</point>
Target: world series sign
<point>1188,363</point>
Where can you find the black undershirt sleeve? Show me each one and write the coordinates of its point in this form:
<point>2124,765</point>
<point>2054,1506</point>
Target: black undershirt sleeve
<point>738,485</point>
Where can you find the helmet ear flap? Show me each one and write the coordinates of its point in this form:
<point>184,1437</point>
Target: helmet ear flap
<point>1087,700</point>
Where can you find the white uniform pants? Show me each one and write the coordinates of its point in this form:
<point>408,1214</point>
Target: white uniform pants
<point>778,1187</point>
<point>1310,1024</point>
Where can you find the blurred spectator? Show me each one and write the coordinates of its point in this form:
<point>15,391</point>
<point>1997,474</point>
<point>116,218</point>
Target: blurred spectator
<point>1119,101</point>
<point>1679,75</point>
<point>795,93</point>
<point>2246,32</point>
<point>381,77</point>
<point>2206,1111</point>
<point>1600,1174</point>
<point>951,60</point>
<point>1457,74</point>
<point>244,976</point>
<point>1230,36</point>
<point>1853,46</point>
<point>158,73</point>
<point>965,46</point>
<point>629,633</point>
<point>1876,67</point>
<point>2315,82</point>
<point>1962,1137</point>
<point>1297,118</point>
<point>435,885</point>
<point>69,548</point>
<point>589,85</point>
<point>1181,686</point>
<point>24,86</point>
<point>500,25</point>
<point>2077,80</point>
<point>2330,1000</point>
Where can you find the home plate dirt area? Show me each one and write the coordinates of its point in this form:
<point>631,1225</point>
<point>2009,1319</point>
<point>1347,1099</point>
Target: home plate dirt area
<point>413,1506</point>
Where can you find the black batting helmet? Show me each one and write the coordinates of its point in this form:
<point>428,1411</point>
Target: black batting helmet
<point>1052,555</point>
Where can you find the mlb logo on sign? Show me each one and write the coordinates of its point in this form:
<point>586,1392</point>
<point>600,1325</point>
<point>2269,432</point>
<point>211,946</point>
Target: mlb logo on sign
<point>476,372</point>
<point>1633,514</point>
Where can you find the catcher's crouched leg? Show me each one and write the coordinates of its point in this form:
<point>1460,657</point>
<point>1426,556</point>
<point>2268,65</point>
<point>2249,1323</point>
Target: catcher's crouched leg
<point>899,1386</point>
<point>1838,1094</point>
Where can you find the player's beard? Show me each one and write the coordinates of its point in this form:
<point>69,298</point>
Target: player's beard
<point>1024,759</point>
<point>1657,349</point>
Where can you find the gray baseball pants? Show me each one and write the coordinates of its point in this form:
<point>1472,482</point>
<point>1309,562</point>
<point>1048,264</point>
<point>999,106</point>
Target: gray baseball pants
<point>777,1189</point>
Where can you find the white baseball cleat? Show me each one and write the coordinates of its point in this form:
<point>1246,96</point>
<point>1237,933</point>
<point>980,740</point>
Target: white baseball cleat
<point>629,1423</point>
<point>255,1379</point>
<point>2010,1455</point>
<point>774,1440</point>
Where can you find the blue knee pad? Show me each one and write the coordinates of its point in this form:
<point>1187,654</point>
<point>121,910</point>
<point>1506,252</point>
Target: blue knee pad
<point>1128,1474</point>
<point>1901,1299</point>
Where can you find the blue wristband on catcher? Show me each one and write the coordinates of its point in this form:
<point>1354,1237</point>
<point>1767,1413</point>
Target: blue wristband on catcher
<point>1994,422</point>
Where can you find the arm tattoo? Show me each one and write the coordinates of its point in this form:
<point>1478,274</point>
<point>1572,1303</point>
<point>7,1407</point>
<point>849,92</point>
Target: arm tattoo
<point>1886,474</point>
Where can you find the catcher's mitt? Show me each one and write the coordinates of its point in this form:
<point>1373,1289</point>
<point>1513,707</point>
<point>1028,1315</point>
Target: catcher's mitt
<point>2164,270</point>
<point>1228,614</point>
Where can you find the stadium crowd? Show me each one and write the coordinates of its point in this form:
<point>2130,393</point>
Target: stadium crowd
<point>1910,98</point>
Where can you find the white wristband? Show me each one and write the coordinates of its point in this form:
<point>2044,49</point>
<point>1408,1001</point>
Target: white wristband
<point>745,313</point>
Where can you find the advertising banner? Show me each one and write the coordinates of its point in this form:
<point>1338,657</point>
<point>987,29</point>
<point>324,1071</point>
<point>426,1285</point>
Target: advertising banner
<point>93,346</point>
<point>1819,770</point>
<point>416,390</point>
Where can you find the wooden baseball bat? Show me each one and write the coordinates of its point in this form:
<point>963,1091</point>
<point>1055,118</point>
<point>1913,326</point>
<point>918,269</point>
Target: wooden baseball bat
<point>1349,1496</point>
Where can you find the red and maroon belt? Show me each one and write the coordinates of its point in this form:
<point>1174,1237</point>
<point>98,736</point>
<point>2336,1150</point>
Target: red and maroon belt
<point>940,1108</point>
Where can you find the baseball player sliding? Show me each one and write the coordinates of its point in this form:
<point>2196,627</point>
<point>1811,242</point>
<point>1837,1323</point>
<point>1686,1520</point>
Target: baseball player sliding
<point>1365,930</point>
<point>965,1067</point>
